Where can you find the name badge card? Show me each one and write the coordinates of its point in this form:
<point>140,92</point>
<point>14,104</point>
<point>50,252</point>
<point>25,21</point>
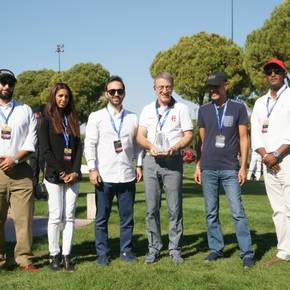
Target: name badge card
<point>265,126</point>
<point>67,154</point>
<point>118,146</point>
<point>6,132</point>
<point>220,141</point>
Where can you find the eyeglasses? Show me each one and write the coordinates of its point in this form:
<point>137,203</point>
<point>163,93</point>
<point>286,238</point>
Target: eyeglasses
<point>277,71</point>
<point>112,92</point>
<point>10,83</point>
<point>161,88</point>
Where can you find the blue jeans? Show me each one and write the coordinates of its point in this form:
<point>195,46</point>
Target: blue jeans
<point>211,181</point>
<point>105,193</point>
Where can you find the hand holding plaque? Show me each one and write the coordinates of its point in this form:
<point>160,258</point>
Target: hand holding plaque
<point>161,143</point>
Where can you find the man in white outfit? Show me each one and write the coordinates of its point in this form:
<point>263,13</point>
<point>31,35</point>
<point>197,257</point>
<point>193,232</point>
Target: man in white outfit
<point>271,139</point>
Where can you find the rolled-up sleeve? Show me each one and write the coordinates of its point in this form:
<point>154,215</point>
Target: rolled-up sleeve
<point>31,136</point>
<point>257,139</point>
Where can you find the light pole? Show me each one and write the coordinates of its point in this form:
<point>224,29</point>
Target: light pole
<point>232,20</point>
<point>59,50</point>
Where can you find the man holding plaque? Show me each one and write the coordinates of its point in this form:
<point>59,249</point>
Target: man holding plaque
<point>271,140</point>
<point>223,130</point>
<point>165,127</point>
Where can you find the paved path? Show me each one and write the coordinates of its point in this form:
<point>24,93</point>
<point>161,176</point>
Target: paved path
<point>39,227</point>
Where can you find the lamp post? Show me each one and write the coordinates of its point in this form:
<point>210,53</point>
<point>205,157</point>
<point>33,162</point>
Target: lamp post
<point>232,20</point>
<point>59,50</point>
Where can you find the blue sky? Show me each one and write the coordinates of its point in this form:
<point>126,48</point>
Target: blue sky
<point>124,36</point>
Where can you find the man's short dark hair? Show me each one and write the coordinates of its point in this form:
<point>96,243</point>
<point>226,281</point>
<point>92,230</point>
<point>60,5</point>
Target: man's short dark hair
<point>114,79</point>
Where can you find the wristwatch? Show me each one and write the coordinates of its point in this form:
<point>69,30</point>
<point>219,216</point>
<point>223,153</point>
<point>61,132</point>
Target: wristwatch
<point>16,161</point>
<point>275,154</point>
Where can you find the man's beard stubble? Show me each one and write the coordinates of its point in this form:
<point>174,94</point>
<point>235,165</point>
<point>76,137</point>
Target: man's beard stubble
<point>6,97</point>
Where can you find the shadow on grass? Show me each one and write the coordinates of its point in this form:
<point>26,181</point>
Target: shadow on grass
<point>192,245</point>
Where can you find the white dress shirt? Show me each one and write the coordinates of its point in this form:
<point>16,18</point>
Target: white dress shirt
<point>279,121</point>
<point>99,145</point>
<point>177,122</point>
<point>23,129</point>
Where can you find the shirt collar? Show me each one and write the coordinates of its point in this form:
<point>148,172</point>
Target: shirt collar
<point>113,111</point>
<point>281,90</point>
<point>170,105</point>
<point>8,105</point>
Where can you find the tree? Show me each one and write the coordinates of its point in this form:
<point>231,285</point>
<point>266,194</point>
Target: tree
<point>194,57</point>
<point>271,40</point>
<point>87,81</point>
<point>30,85</point>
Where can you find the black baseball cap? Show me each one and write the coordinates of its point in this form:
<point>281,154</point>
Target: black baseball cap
<point>216,78</point>
<point>7,74</point>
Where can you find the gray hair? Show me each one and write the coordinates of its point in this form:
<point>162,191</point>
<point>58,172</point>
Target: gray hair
<point>166,76</point>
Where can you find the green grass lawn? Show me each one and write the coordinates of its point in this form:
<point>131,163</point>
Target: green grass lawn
<point>194,273</point>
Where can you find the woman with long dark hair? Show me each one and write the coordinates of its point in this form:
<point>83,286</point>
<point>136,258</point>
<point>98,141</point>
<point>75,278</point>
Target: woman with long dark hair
<point>61,148</point>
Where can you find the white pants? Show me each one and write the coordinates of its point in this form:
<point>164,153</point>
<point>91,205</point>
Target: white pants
<point>61,208</point>
<point>278,191</point>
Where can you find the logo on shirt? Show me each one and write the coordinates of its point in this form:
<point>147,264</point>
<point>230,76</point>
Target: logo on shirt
<point>173,118</point>
<point>229,121</point>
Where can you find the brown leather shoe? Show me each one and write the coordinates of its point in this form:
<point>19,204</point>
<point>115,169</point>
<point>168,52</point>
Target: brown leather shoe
<point>28,268</point>
<point>275,260</point>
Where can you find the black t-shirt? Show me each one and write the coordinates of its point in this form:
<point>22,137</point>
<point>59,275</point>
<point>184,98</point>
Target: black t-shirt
<point>226,158</point>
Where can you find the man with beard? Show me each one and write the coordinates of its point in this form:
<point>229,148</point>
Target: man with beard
<point>271,139</point>
<point>223,130</point>
<point>165,128</point>
<point>17,140</point>
<point>109,149</point>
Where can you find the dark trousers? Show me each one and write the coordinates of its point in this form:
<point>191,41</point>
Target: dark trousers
<point>105,193</point>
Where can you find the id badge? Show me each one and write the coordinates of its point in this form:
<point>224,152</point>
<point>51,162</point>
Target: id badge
<point>265,126</point>
<point>67,154</point>
<point>118,146</point>
<point>220,141</point>
<point>6,132</point>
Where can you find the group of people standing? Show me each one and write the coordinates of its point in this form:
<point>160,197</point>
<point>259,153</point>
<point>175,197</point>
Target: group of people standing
<point>115,137</point>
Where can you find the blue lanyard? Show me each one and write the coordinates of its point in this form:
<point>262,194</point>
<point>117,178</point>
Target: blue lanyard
<point>220,121</point>
<point>10,113</point>
<point>161,124</point>
<point>114,125</point>
<point>269,111</point>
<point>65,133</point>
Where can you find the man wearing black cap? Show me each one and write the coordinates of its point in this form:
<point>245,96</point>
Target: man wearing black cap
<point>270,122</point>
<point>223,125</point>
<point>17,140</point>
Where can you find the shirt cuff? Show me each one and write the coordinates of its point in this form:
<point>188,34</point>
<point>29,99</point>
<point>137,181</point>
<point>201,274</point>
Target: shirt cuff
<point>91,164</point>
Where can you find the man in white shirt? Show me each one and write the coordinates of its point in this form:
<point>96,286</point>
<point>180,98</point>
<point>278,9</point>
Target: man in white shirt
<point>165,127</point>
<point>109,150</point>
<point>270,122</point>
<point>17,140</point>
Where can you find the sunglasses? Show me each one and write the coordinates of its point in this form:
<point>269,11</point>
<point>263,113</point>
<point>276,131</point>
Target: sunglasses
<point>277,71</point>
<point>10,83</point>
<point>112,92</point>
